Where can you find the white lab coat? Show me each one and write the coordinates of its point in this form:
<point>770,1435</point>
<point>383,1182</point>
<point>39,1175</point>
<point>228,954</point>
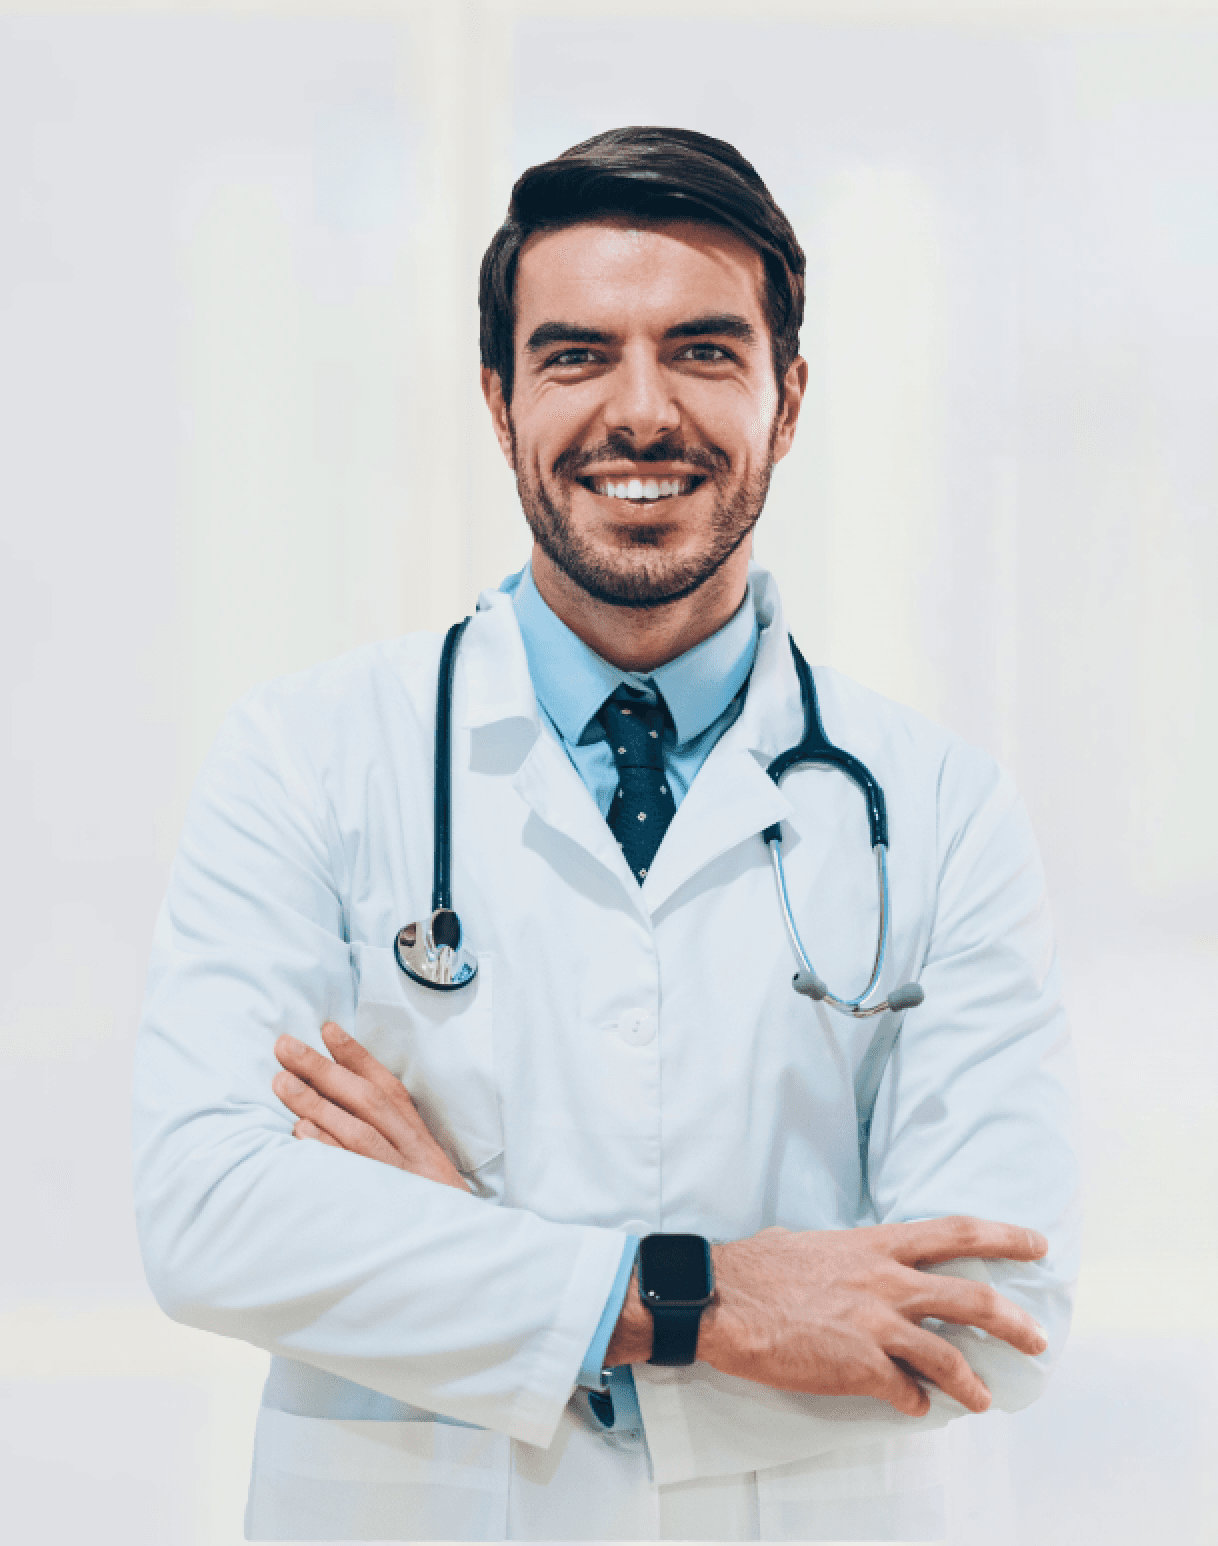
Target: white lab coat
<point>629,1058</point>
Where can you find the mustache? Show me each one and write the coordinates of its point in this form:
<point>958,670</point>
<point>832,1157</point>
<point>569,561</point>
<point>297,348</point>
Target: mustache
<point>619,448</point>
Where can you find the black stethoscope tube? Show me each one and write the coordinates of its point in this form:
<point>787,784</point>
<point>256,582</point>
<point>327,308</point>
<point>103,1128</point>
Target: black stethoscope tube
<point>441,886</point>
<point>817,747</point>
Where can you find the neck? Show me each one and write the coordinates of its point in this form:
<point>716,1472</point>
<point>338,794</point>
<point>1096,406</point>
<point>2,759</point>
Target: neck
<point>644,638</point>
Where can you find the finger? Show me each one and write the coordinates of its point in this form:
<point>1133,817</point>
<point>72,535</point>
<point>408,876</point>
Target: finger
<point>939,1362</point>
<point>938,1240</point>
<point>329,1094</point>
<point>349,1131</point>
<point>919,1401</point>
<point>381,1099</point>
<point>340,1086</point>
<point>306,1129</point>
<point>896,1385</point>
<point>353,1055</point>
<point>965,1303</point>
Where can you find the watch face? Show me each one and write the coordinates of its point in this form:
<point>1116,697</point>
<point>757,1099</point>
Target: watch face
<point>675,1269</point>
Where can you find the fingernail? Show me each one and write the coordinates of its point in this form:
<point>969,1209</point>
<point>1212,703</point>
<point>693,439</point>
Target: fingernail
<point>291,1043</point>
<point>336,1031</point>
<point>284,1084</point>
<point>1041,1332</point>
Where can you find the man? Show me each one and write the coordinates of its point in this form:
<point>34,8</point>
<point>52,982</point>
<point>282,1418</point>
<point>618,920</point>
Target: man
<point>439,1242</point>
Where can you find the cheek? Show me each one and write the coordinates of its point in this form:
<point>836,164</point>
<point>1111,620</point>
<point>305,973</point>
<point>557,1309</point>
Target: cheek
<point>543,435</point>
<point>736,419</point>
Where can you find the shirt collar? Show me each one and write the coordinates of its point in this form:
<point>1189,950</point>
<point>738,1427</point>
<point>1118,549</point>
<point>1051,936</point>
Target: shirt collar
<point>572,681</point>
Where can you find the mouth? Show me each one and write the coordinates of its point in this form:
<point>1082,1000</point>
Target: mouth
<point>642,490</point>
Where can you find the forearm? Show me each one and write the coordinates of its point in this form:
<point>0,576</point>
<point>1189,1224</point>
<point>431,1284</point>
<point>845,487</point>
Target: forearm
<point>364,1271</point>
<point>757,1399</point>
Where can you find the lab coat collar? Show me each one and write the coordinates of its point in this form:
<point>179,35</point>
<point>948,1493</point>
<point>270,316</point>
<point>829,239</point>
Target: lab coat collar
<point>732,797</point>
<point>498,685</point>
<point>772,718</point>
<point>498,689</point>
<point>495,667</point>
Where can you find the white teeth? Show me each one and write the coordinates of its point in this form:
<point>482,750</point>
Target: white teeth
<point>635,488</point>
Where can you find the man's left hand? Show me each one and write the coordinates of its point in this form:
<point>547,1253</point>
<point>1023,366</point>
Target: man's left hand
<point>355,1103</point>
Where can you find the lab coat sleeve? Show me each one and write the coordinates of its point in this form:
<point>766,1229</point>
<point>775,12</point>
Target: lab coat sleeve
<point>976,1114</point>
<point>446,1301</point>
<point>978,1110</point>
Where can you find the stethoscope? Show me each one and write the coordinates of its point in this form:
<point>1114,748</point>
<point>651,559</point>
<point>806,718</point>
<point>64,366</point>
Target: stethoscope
<point>432,950</point>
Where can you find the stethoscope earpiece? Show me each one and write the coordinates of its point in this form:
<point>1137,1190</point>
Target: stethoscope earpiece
<point>810,985</point>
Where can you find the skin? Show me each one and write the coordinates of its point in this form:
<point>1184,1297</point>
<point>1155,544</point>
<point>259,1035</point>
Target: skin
<point>644,353</point>
<point>603,388</point>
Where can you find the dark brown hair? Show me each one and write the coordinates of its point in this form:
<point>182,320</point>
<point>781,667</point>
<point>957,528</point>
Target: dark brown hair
<point>656,175</point>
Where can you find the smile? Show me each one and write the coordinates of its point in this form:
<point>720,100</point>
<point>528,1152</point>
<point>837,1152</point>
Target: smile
<point>642,488</point>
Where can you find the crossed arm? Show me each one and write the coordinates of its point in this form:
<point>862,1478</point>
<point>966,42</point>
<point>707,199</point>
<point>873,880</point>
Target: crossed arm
<point>823,1312</point>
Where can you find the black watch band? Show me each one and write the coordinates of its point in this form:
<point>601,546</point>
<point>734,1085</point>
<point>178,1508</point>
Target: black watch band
<point>674,1335</point>
<point>676,1283</point>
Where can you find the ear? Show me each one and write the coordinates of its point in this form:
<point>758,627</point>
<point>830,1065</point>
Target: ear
<point>794,385</point>
<point>492,390</point>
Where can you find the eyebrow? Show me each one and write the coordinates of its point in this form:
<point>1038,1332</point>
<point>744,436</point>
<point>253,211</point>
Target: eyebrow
<point>723,324</point>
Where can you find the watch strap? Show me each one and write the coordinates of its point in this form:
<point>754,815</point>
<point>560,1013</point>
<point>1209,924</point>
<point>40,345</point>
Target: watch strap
<point>675,1333</point>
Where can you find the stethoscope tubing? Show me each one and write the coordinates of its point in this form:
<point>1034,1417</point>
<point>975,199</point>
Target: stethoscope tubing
<point>849,1006</point>
<point>431,951</point>
<point>442,855</point>
<point>816,749</point>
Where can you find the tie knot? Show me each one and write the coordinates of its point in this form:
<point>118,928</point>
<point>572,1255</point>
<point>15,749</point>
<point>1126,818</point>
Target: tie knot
<point>635,729</point>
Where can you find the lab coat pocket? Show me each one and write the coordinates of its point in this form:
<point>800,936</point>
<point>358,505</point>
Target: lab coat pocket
<point>440,1045</point>
<point>318,1479</point>
<point>889,1490</point>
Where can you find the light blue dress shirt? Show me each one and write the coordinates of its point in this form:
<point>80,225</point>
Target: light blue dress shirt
<point>704,691</point>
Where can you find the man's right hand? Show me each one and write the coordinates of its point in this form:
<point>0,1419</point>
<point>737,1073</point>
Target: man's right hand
<point>837,1312</point>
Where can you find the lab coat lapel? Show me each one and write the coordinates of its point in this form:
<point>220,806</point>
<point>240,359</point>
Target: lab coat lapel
<point>729,801</point>
<point>499,688</point>
<point>558,795</point>
<point>732,798</point>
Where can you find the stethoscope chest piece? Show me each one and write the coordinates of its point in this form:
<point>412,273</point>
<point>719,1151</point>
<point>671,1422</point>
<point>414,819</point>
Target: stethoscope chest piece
<point>431,952</point>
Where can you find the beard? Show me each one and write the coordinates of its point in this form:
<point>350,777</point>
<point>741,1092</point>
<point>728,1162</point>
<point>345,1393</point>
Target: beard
<point>635,572</point>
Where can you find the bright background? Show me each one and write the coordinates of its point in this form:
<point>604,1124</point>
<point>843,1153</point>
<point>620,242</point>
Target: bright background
<point>241,432</point>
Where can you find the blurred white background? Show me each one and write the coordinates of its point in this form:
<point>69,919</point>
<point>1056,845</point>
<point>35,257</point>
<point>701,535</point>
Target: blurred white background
<point>241,432</point>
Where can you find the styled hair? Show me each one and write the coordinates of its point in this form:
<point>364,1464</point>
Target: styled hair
<point>655,175</point>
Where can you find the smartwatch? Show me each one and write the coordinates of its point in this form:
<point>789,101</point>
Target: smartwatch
<point>676,1283</point>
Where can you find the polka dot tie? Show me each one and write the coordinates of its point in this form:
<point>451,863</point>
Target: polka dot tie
<point>643,805</point>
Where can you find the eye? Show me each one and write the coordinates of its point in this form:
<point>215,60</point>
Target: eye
<point>706,354</point>
<point>572,357</point>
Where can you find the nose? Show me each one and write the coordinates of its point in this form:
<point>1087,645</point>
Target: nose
<point>641,403</point>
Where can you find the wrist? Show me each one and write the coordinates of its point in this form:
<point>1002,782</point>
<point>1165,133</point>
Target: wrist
<point>632,1336</point>
<point>712,1330</point>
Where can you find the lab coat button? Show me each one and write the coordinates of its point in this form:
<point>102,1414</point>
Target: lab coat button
<point>636,1027</point>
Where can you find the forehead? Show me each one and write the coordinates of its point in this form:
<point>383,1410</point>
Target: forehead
<point>618,274</point>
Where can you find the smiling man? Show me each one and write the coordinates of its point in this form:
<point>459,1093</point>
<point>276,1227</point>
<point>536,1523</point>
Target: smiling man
<point>618,1237</point>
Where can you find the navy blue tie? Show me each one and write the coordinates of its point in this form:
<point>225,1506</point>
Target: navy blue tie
<point>643,806</point>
